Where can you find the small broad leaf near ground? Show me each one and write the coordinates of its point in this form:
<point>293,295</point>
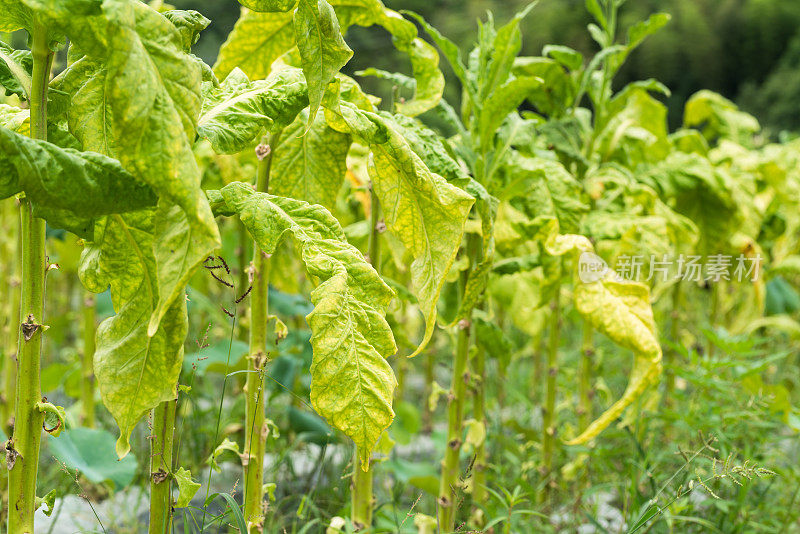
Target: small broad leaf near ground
<point>91,452</point>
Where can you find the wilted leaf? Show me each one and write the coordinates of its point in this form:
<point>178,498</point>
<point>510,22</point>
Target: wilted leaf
<point>238,111</point>
<point>310,165</point>
<point>67,187</point>
<point>352,383</point>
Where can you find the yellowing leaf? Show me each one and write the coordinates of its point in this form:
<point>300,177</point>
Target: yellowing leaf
<point>135,96</point>
<point>621,310</point>
<point>135,372</point>
<point>257,40</point>
<point>238,111</point>
<point>323,51</point>
<point>424,211</point>
<point>67,187</point>
<point>186,487</point>
<point>310,165</point>
<point>351,382</point>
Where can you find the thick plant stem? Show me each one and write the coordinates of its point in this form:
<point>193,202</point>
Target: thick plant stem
<point>255,437</point>
<point>672,354</point>
<point>10,365</point>
<point>162,438</point>
<point>448,484</point>
<point>548,411</point>
<point>24,445</point>
<point>361,485</point>
<point>585,393</point>
<point>244,277</point>
<point>479,409</point>
<point>361,494</point>
<point>87,386</point>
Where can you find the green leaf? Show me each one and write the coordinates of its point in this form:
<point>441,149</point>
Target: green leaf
<point>269,5</point>
<point>187,488</point>
<point>502,101</point>
<point>351,382</point>
<point>621,310</point>
<point>15,15</point>
<point>189,24</point>
<point>67,187</point>
<point>546,188</point>
<point>136,97</point>
<point>135,372</point>
<point>568,57</point>
<point>310,165</point>
<point>237,112</point>
<point>226,445</point>
<point>449,49</point>
<point>505,47</point>
<point>15,119</point>
<point>556,93</point>
<point>257,40</point>
<point>15,69</point>
<point>91,452</point>
<point>718,117</point>
<point>421,209</point>
<point>54,417</point>
<point>323,51</point>
<point>429,81</point>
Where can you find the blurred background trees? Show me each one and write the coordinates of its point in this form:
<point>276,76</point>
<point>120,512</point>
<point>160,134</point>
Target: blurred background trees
<point>747,50</point>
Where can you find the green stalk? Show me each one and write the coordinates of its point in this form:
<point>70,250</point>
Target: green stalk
<point>163,435</point>
<point>26,440</point>
<point>427,413</point>
<point>244,264</point>
<point>585,393</point>
<point>87,387</point>
<point>455,415</point>
<point>548,411</point>
<point>10,365</point>
<point>361,494</point>
<point>479,409</point>
<point>255,439</point>
<point>671,355</point>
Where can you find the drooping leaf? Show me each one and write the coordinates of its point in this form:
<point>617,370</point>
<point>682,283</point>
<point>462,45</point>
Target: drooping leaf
<point>257,40</point>
<point>269,6</point>
<point>67,187</point>
<point>621,310</point>
<point>136,98</point>
<point>238,111</point>
<point>352,383</point>
<point>548,189</point>
<point>428,79</point>
<point>15,15</point>
<point>189,24</point>
<point>135,372</point>
<point>15,69</point>
<point>323,51</point>
<point>424,211</point>
<point>718,117</point>
<point>449,49</point>
<point>310,165</point>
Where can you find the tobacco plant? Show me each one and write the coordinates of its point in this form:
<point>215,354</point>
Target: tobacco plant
<point>483,225</point>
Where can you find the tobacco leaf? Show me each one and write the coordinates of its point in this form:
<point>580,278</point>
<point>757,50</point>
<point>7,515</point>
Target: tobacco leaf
<point>351,382</point>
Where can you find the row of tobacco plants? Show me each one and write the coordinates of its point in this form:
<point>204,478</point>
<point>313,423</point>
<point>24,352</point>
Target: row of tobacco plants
<point>356,251</point>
